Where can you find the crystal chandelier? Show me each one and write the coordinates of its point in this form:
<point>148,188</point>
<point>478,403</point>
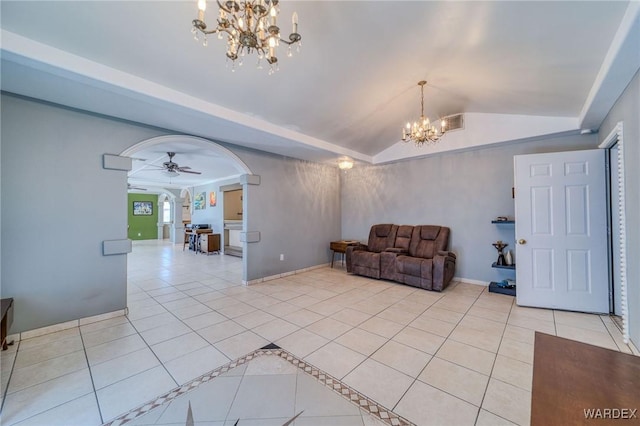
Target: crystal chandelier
<point>422,131</point>
<point>249,26</point>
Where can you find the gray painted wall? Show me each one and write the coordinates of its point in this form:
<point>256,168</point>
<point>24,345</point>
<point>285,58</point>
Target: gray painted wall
<point>296,208</point>
<point>58,204</point>
<point>627,110</point>
<point>463,190</point>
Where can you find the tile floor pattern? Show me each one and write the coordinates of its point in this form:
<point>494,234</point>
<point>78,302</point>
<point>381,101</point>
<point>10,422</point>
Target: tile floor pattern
<point>269,387</point>
<point>460,357</point>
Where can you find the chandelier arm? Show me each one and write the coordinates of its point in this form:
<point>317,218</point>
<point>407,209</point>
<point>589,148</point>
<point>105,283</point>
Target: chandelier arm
<point>222,7</point>
<point>207,32</point>
<point>257,23</point>
<point>293,38</point>
<point>249,27</point>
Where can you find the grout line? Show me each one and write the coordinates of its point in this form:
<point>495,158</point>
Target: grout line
<point>495,359</point>
<point>13,366</point>
<point>93,384</point>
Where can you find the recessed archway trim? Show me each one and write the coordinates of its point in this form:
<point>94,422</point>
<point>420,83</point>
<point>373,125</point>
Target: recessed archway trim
<point>206,143</point>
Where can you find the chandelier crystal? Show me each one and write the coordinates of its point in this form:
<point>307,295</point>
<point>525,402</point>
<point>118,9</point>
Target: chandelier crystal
<point>423,131</point>
<point>250,27</point>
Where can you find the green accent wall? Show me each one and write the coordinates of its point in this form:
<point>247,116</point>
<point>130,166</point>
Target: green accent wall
<point>143,227</point>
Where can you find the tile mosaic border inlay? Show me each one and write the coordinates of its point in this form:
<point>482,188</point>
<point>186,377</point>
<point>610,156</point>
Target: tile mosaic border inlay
<point>367,404</point>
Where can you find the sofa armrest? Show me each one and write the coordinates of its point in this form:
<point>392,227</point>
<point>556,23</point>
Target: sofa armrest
<point>358,246</point>
<point>349,254</point>
<point>447,254</point>
<point>444,268</point>
<point>396,250</point>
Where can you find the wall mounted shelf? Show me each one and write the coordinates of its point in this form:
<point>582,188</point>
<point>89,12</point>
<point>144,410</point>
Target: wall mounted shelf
<point>493,286</point>
<point>495,265</point>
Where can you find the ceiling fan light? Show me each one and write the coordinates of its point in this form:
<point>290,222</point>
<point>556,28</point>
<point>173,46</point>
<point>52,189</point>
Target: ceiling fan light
<point>171,173</point>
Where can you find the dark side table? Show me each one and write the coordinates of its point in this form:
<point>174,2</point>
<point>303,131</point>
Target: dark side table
<point>341,247</point>
<point>7,320</point>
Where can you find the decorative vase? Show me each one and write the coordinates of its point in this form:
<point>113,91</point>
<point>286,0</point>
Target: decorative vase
<point>508,258</point>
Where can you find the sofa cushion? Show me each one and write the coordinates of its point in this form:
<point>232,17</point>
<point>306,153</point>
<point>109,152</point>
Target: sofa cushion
<point>388,265</point>
<point>415,271</point>
<point>427,240</point>
<point>403,237</point>
<point>407,265</point>
<point>366,259</point>
<point>366,263</point>
<point>381,237</point>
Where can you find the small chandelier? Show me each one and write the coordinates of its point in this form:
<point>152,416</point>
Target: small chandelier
<point>250,26</point>
<point>422,131</point>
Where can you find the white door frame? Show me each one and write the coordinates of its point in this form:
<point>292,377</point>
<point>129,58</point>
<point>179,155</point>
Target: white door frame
<point>613,138</point>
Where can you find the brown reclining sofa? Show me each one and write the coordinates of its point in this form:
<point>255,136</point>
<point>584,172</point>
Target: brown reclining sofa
<point>414,255</point>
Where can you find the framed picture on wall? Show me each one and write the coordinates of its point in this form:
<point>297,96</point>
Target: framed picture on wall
<point>200,201</point>
<point>142,208</point>
<point>212,199</point>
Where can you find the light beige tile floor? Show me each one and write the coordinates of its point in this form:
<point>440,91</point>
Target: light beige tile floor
<point>463,356</point>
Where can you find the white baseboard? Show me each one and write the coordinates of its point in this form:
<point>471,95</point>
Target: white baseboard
<point>470,281</point>
<point>284,274</point>
<point>65,325</point>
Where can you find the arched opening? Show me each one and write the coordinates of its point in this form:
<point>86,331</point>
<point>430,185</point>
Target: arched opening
<point>188,175</point>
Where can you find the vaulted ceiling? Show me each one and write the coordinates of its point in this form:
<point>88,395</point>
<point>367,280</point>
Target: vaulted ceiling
<point>553,66</point>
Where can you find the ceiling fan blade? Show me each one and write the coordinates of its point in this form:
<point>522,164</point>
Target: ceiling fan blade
<point>189,171</point>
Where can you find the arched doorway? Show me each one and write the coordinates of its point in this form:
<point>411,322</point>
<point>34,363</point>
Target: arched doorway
<point>205,167</point>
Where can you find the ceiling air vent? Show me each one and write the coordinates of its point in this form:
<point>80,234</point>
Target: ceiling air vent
<point>454,122</point>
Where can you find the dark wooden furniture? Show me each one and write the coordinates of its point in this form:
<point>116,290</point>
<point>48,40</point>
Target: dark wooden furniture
<point>194,238</point>
<point>340,247</point>
<point>570,377</point>
<point>187,237</point>
<point>210,243</point>
<point>7,320</point>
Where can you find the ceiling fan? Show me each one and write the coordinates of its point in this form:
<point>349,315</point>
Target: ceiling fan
<point>172,168</point>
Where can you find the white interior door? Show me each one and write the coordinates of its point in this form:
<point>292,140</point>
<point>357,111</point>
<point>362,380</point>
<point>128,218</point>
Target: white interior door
<point>561,231</point>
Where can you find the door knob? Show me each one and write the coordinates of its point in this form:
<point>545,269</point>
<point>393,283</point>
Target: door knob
<point>522,241</point>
